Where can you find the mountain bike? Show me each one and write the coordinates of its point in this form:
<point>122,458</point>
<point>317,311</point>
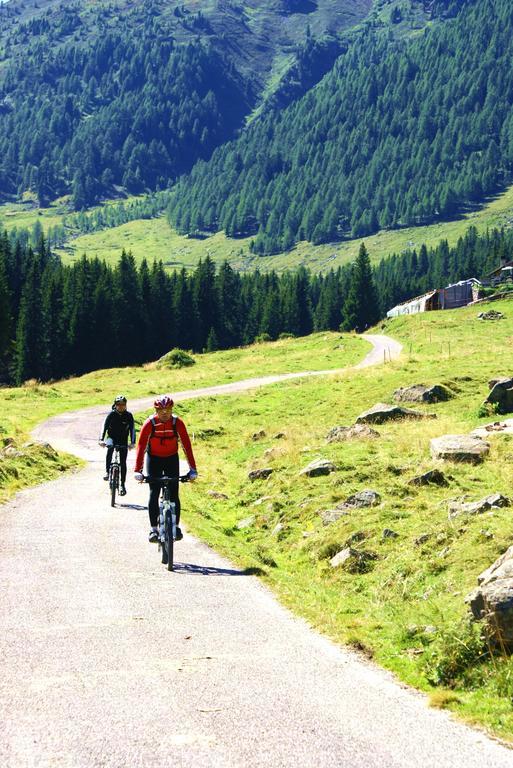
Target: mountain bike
<point>167,518</point>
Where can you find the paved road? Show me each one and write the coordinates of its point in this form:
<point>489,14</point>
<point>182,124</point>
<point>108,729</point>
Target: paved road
<point>111,661</point>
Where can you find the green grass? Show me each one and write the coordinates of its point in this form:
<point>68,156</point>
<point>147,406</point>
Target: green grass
<point>21,408</point>
<point>154,239</point>
<point>408,611</point>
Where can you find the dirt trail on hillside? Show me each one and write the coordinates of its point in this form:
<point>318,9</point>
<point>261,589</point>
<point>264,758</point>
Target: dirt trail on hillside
<point>111,661</point>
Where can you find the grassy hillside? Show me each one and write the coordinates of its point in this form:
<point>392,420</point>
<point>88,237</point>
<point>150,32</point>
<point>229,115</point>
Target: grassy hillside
<point>154,239</point>
<point>407,611</point>
<point>406,607</point>
<point>21,408</point>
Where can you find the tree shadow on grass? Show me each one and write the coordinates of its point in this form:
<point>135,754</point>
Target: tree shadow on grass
<point>207,570</point>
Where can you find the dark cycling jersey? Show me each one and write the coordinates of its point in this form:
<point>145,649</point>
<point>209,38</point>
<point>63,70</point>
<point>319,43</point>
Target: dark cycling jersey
<point>120,427</point>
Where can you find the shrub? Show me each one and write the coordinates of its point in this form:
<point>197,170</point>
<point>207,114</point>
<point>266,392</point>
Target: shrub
<point>263,337</point>
<point>455,654</point>
<point>177,358</point>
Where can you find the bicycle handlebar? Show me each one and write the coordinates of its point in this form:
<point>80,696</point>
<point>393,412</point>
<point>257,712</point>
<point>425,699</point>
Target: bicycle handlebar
<point>165,479</point>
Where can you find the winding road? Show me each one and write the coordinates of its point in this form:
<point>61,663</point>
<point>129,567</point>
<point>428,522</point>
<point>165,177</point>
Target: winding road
<point>111,661</point>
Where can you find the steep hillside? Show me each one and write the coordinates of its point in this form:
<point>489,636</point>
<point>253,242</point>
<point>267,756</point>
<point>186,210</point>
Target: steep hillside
<point>402,131</point>
<point>97,99</point>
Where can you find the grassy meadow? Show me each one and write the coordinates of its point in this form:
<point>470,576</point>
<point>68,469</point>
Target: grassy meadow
<point>154,239</point>
<point>405,608</point>
<point>21,408</point>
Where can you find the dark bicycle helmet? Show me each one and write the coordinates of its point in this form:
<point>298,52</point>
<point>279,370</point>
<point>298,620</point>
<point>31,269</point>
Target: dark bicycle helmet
<point>163,401</point>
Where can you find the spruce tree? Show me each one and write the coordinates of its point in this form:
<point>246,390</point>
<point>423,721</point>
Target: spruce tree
<point>361,309</point>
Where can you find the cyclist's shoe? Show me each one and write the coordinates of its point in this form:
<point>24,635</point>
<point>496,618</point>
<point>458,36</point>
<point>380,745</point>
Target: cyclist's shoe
<point>178,534</point>
<point>106,476</point>
<point>153,536</point>
<point>122,490</point>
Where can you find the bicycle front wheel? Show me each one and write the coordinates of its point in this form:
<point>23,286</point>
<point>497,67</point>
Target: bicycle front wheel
<point>114,484</point>
<point>168,538</point>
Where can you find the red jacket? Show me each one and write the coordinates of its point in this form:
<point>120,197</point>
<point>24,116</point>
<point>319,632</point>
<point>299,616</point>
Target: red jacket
<point>164,441</point>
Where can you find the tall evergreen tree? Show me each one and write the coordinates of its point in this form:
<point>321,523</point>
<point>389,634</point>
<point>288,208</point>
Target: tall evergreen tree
<point>30,351</point>
<point>361,308</point>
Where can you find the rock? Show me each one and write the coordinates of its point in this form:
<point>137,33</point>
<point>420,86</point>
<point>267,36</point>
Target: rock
<point>11,452</point>
<point>353,560</point>
<point>432,477</point>
<point>260,474</point>
<point>217,495</point>
<point>501,395</point>
<point>497,427</point>
<point>493,501</point>
<point>355,538</point>
<point>388,533</point>
<point>319,467</point>
<point>48,449</point>
<point>492,601</point>
<point>422,539</point>
<point>366,498</point>
<point>246,523</point>
<point>381,412</point>
<point>459,448</point>
<point>419,393</point>
<point>258,435</point>
<point>356,432</point>
<point>279,435</point>
<point>492,314</point>
<point>261,500</point>
<point>329,516</point>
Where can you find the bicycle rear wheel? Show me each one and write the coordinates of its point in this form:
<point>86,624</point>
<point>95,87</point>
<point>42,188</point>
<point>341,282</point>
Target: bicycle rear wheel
<point>114,484</point>
<point>168,538</point>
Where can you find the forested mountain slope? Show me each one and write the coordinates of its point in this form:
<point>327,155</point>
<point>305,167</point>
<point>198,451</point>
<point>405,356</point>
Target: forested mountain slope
<point>402,130</point>
<point>99,98</point>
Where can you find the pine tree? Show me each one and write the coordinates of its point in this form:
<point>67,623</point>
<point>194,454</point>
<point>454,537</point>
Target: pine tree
<point>30,351</point>
<point>361,309</point>
<point>5,308</point>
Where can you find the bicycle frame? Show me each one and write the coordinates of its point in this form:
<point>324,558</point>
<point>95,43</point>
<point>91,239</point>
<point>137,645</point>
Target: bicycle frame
<point>114,473</point>
<point>167,518</point>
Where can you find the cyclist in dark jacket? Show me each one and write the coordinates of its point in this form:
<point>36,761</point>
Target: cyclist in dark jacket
<point>119,427</point>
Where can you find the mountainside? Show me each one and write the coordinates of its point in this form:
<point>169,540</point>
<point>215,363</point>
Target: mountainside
<point>96,99</point>
<point>400,132</point>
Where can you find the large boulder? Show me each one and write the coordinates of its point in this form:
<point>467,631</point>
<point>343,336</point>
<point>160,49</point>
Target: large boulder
<point>469,448</point>
<point>329,516</point>
<point>319,467</point>
<point>492,314</point>
<point>354,560</point>
<point>492,601</point>
<point>260,474</point>
<point>365,498</point>
<point>431,477</point>
<point>501,395</point>
<point>494,501</point>
<point>419,393</point>
<point>356,432</point>
<point>381,412</point>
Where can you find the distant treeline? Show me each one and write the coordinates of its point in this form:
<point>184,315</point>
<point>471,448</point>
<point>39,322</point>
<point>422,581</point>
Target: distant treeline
<point>58,320</point>
<point>400,132</point>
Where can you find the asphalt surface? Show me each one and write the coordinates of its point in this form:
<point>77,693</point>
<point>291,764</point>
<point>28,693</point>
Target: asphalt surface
<point>110,660</point>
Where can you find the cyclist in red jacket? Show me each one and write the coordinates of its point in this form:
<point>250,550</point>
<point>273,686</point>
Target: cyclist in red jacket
<point>157,455</point>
